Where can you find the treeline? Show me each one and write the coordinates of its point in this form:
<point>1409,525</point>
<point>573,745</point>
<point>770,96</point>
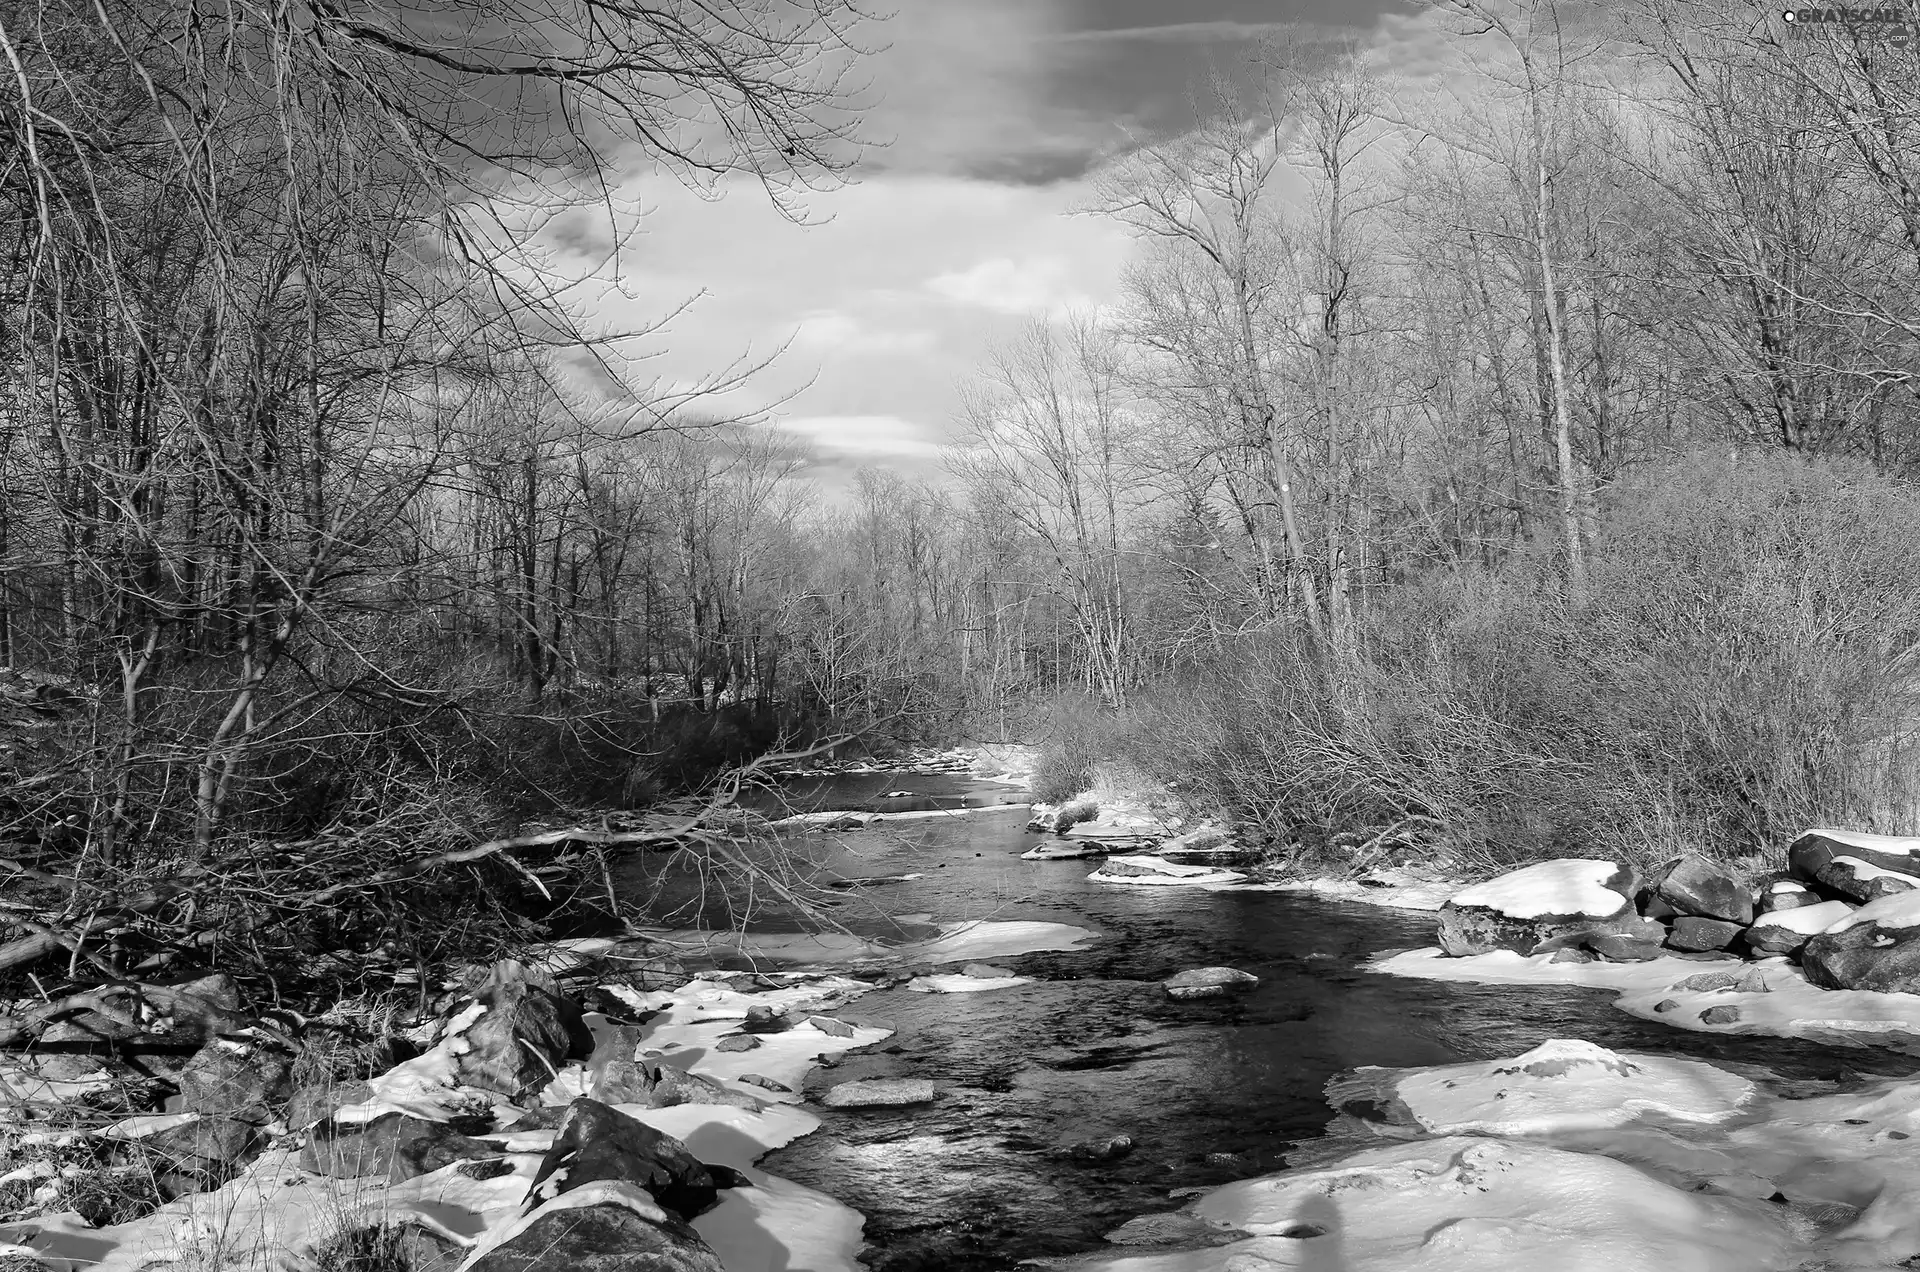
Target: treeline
<point>299,499</point>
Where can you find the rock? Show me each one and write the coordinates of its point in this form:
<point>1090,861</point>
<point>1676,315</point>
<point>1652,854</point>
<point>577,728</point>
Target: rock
<point>1788,931</point>
<point>986,971</point>
<point>207,1149</point>
<point>1695,885</point>
<point>1520,910</point>
<point>764,1019</point>
<point>1691,932</point>
<point>522,1036</point>
<point>317,1101</point>
<point>1110,1148</point>
<point>1727,1014</point>
<point>237,1077</point>
<point>1208,982</point>
<point>596,1142</point>
<point>1749,981</point>
<point>1623,949</point>
<point>1571,954</point>
<point>765,1083</point>
<point>1859,867</point>
<point>1666,1005</point>
<point>394,1145</point>
<point>878,1093</point>
<point>624,1231</point>
<point>1876,947</point>
<point>1175,1228</point>
<point>831,1027</point>
<point>737,1042</point>
<point>1784,894</point>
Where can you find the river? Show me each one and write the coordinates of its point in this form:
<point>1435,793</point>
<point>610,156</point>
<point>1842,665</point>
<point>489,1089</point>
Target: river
<point>1209,1091</point>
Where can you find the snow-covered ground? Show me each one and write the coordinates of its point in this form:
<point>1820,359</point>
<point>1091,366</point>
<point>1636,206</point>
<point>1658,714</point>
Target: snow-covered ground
<point>1576,1159</point>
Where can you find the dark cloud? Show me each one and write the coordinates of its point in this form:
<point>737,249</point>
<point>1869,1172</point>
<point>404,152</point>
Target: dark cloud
<point>1034,92</point>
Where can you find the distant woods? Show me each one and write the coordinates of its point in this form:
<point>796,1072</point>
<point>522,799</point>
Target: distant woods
<point>300,506</point>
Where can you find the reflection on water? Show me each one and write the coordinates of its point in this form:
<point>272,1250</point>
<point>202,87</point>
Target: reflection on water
<point>1209,1091</point>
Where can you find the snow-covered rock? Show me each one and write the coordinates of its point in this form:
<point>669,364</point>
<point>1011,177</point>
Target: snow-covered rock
<point>878,1093</point>
<point>1065,849</point>
<point>1856,865</point>
<point>1538,903</point>
<point>1786,931</point>
<point>1785,894</point>
<point>1470,1204</point>
<point>1563,1084</point>
<point>1875,947</point>
<point>1159,872</point>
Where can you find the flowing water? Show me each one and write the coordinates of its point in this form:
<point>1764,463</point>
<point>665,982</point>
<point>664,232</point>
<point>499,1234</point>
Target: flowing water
<point>1209,1091</point>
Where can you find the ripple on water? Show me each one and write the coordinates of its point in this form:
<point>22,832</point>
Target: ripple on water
<point>1210,1091</point>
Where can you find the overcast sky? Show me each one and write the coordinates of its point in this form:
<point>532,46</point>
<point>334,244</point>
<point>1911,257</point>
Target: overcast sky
<point>955,232</point>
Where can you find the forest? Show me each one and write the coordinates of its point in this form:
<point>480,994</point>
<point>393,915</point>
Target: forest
<point>1512,456</point>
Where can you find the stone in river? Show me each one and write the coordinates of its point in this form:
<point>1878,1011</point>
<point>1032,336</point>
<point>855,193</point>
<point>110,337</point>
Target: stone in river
<point>1726,1014</point>
<point>737,1042</point>
<point>879,1093</point>
<point>1208,982</point>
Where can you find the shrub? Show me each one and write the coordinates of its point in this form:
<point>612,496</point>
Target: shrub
<point>1741,668</point>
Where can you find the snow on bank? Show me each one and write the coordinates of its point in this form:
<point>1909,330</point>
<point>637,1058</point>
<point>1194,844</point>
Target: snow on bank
<point>272,1214</point>
<point>843,818</point>
<point>1675,991</point>
<point>1466,1204</point>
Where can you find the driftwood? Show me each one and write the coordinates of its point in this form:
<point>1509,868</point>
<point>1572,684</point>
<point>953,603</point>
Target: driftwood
<point>273,890</point>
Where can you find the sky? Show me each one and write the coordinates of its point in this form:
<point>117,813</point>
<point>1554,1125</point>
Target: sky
<point>959,230</point>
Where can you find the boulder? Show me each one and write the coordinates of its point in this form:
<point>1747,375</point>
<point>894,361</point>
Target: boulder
<point>1614,948</point>
<point>1784,894</point>
<point>1520,910</point>
<point>737,1042</point>
<point>1208,982</point>
<point>1727,1014</point>
<point>1691,932</point>
<point>1571,954</point>
<point>521,1037</point>
<point>879,1093</point>
<point>1694,885</point>
<point>208,1150</point>
<point>1106,1149</point>
<point>620,1229</point>
<point>596,1142</point>
<point>394,1145</point>
<point>1856,866</point>
<point>1787,931</point>
<point>1876,947</point>
<point>241,1077</point>
<point>762,1018</point>
<point>316,1101</point>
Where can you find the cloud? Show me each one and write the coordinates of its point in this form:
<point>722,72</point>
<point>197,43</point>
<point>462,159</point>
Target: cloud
<point>829,331</point>
<point>864,437</point>
<point>1035,285</point>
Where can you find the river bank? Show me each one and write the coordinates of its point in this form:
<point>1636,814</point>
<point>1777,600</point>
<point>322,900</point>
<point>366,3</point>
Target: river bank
<point>1068,1095</point>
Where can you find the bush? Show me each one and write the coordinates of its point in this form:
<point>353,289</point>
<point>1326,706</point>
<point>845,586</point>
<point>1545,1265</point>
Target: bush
<point>1077,735</point>
<point>1740,670</point>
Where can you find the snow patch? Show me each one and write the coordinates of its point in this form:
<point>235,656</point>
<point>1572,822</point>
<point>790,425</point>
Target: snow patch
<point>1572,886</point>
